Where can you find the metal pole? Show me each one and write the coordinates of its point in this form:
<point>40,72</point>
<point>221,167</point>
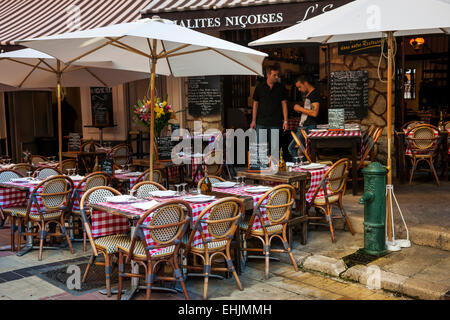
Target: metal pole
<point>58,94</point>
<point>152,106</point>
<point>389,129</point>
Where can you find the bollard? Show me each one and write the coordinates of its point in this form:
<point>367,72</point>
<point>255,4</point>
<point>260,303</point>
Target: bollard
<point>374,200</point>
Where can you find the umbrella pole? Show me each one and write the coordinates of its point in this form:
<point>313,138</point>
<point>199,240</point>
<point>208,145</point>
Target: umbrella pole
<point>152,113</point>
<point>58,95</point>
<point>389,131</point>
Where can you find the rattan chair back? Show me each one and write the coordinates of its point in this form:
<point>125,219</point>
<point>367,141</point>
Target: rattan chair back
<point>8,175</point>
<point>68,164</point>
<point>55,193</point>
<point>90,146</point>
<point>447,125</point>
<point>121,154</point>
<point>301,147</point>
<point>23,168</point>
<point>144,188</point>
<point>278,203</point>
<point>423,138</point>
<point>370,144</point>
<point>97,195</point>
<point>213,179</point>
<point>221,218</point>
<point>36,159</point>
<point>411,124</point>
<point>46,172</point>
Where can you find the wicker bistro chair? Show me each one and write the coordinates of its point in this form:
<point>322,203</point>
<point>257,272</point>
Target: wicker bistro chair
<point>143,189</point>
<point>90,146</point>
<point>411,124</point>
<point>6,176</point>
<point>211,167</point>
<point>55,194</point>
<point>278,210</point>
<point>157,176</point>
<point>120,154</point>
<point>23,168</point>
<point>221,219</point>
<point>96,179</point>
<point>423,141</point>
<point>168,224</point>
<point>213,179</point>
<point>68,164</point>
<point>329,193</point>
<point>105,245</point>
<point>301,148</point>
<point>46,172</point>
<point>36,159</point>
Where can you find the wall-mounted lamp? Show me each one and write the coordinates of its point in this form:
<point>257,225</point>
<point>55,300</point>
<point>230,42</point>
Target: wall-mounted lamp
<point>417,43</point>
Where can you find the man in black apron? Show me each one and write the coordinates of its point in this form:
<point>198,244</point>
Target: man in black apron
<point>309,111</point>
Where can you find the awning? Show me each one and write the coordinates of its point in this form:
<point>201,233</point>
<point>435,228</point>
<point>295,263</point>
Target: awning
<point>218,15</point>
<point>24,19</point>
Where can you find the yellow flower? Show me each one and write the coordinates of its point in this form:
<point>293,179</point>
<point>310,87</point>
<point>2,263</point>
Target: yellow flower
<point>164,104</point>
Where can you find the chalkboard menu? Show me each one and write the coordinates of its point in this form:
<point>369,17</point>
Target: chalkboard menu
<point>205,96</point>
<point>165,146</point>
<point>336,119</point>
<point>349,91</point>
<point>107,166</point>
<point>74,142</point>
<point>258,157</point>
<point>102,106</point>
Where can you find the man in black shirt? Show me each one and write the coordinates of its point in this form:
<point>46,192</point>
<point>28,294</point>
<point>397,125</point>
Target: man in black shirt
<point>270,110</point>
<point>309,111</point>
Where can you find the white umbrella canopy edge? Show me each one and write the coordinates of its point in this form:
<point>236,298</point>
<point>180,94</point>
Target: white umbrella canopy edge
<point>173,43</point>
<point>367,19</point>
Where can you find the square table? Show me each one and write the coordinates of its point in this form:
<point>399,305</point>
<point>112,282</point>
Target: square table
<point>349,139</point>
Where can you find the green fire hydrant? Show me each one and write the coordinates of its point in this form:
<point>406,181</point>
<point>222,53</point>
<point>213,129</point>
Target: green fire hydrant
<point>374,200</point>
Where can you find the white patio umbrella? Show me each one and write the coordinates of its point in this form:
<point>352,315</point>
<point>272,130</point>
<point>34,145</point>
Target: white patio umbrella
<point>367,19</point>
<point>31,69</point>
<point>152,45</point>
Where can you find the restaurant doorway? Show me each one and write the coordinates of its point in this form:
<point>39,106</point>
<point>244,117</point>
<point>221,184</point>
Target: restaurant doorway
<point>294,61</point>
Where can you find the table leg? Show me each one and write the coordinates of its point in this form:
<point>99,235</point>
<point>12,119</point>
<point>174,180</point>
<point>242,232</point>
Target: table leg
<point>354,169</point>
<point>29,245</point>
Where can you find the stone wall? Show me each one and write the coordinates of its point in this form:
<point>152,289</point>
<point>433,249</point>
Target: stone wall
<point>377,113</point>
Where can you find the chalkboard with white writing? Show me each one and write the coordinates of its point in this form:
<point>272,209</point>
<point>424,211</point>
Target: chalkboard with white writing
<point>102,106</point>
<point>74,142</point>
<point>165,146</point>
<point>336,118</point>
<point>258,155</point>
<point>205,96</point>
<point>349,91</point>
<point>107,166</point>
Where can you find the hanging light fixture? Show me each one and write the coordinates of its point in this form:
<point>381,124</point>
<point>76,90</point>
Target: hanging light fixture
<point>417,43</point>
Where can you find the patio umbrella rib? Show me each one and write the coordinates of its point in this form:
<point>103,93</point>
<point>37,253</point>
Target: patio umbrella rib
<point>184,53</point>
<point>93,50</point>
<point>167,59</point>
<point>44,62</point>
<point>96,77</point>
<point>129,48</point>
<point>173,50</point>
<point>28,64</point>
<point>234,60</point>
<point>29,74</point>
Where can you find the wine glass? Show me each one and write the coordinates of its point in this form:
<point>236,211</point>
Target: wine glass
<point>177,186</point>
<point>29,173</point>
<point>132,193</point>
<point>237,181</point>
<point>242,181</point>
<point>184,185</point>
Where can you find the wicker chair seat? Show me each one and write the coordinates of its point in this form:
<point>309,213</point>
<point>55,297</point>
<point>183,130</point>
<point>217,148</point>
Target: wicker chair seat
<point>259,232</point>
<point>109,243</point>
<point>322,202</point>
<point>16,211</point>
<point>22,212</point>
<point>139,250</point>
<point>200,247</point>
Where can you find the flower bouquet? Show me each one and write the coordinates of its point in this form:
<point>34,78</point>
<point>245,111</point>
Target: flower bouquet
<point>162,110</point>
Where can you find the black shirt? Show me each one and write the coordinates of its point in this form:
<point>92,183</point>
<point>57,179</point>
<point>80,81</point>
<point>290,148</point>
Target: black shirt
<point>270,110</point>
<point>314,97</point>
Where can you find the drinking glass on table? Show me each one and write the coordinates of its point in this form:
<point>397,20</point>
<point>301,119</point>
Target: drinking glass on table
<point>177,186</point>
<point>184,185</point>
<point>132,192</point>
<point>242,181</point>
<point>29,173</point>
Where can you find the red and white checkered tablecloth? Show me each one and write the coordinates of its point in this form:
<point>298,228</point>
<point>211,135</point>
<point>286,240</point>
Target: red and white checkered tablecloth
<point>316,177</point>
<point>10,197</point>
<point>410,135</point>
<point>106,223</point>
<point>131,179</point>
<point>347,133</point>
